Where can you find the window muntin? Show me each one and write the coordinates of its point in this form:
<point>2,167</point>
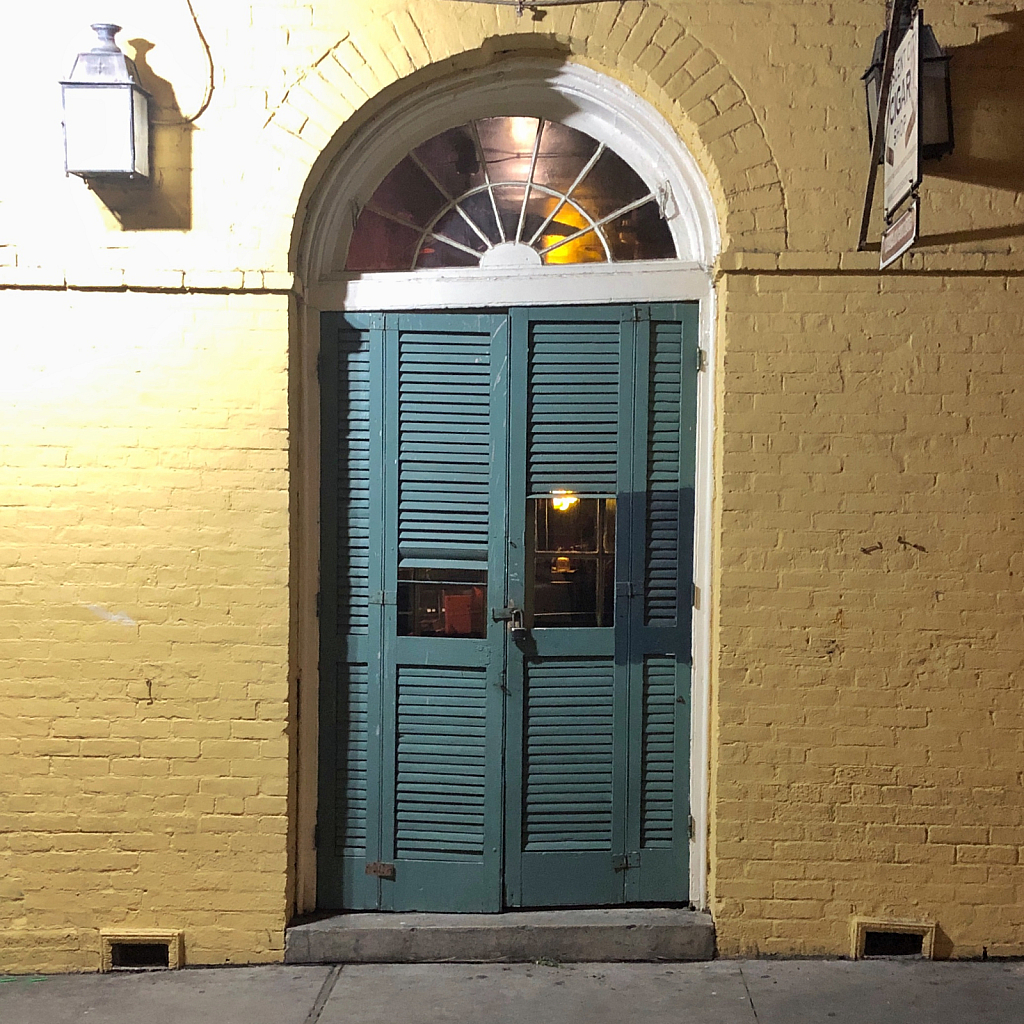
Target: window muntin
<point>509,191</point>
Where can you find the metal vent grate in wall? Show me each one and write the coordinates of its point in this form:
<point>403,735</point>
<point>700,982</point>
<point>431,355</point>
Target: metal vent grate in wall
<point>873,937</point>
<point>141,949</point>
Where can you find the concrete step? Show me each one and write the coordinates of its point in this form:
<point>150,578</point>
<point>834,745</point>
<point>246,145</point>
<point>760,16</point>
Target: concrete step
<point>561,936</point>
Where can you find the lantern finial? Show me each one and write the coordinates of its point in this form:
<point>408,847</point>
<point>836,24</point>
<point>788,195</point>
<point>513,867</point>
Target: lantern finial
<point>106,33</point>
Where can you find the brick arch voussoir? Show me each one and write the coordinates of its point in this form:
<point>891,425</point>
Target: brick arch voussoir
<point>641,45</point>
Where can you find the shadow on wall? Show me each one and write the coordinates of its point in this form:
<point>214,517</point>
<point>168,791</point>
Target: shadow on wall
<point>988,122</point>
<point>164,200</point>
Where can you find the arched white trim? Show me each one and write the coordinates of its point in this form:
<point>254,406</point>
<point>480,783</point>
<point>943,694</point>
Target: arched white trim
<point>613,114</point>
<point>575,95</point>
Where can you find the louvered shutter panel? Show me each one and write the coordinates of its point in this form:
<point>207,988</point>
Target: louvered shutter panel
<point>349,625</point>
<point>658,767</point>
<point>442,763</point>
<point>444,401</point>
<point>352,723</point>
<point>665,421</point>
<point>353,502</point>
<point>573,395</point>
<point>663,585</point>
<point>570,749</point>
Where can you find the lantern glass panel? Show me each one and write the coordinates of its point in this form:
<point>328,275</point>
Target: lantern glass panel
<point>140,128</point>
<point>935,120</point>
<point>97,122</point>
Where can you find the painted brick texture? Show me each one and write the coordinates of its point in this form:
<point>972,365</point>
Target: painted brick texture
<point>867,751</point>
<point>143,588</point>
<point>870,730</point>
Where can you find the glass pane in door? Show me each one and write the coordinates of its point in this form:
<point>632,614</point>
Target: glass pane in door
<point>573,561</point>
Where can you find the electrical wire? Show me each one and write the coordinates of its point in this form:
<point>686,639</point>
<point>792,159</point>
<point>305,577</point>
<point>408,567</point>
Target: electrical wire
<point>208,95</point>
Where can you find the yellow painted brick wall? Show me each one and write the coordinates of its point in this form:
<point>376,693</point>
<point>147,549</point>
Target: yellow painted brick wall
<point>870,728</point>
<point>867,754</point>
<point>143,624</point>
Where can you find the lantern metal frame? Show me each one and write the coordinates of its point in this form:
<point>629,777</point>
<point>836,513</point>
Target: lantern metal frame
<point>101,72</point>
<point>936,97</point>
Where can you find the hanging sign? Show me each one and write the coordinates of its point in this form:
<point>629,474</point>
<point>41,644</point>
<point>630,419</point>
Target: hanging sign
<point>900,236</point>
<point>903,120</point>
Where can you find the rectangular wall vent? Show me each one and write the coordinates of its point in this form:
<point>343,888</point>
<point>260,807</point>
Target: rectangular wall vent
<point>141,949</point>
<point>874,937</point>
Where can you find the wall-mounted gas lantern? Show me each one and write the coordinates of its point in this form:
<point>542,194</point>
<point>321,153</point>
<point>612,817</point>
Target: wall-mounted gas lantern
<point>936,97</point>
<point>106,113</point>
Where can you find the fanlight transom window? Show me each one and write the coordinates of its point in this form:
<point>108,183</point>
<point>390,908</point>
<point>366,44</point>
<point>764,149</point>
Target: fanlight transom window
<point>509,191</point>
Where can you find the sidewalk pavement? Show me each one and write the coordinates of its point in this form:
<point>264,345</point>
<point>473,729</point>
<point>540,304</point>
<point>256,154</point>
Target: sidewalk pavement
<point>717,992</point>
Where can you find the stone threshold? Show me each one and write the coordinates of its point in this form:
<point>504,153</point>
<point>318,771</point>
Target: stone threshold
<point>558,936</point>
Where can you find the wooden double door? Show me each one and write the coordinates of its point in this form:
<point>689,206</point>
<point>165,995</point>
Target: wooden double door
<point>505,611</point>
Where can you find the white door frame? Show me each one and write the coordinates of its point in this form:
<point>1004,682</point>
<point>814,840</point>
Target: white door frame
<point>611,113</point>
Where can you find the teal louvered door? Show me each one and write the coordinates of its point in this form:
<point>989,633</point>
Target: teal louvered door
<point>413,548</point>
<point>507,521</point>
<point>601,535</point>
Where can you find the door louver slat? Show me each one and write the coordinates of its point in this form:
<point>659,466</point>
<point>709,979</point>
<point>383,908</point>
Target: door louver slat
<point>662,588</point>
<point>444,446</point>
<point>657,780</point>
<point>573,409</point>
<point>353,510</point>
<point>569,755</point>
<point>352,727</point>
<point>440,774</point>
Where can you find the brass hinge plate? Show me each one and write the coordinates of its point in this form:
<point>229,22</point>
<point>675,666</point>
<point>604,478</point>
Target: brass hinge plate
<point>380,869</point>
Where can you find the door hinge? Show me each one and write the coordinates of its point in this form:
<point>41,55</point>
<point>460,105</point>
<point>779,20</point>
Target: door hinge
<point>692,828</point>
<point>625,861</point>
<point>319,603</point>
<point>694,595</point>
<point>319,362</point>
<point>380,869</point>
<point>316,836</point>
<point>384,597</point>
<point>702,363</point>
<point>641,314</point>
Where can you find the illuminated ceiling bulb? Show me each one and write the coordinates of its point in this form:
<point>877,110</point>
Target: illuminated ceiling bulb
<point>524,131</point>
<point>562,501</point>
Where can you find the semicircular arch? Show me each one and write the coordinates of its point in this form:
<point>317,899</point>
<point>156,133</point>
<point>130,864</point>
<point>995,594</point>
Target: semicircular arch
<point>400,55</point>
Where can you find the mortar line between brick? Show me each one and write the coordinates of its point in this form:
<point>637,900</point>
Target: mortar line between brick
<point>147,289</point>
<point>324,994</point>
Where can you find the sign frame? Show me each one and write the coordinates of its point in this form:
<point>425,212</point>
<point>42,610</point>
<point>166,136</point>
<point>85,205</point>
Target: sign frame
<point>903,136</point>
<point>900,235</point>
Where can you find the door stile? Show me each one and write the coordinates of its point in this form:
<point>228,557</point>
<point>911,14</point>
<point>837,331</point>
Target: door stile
<point>387,598</point>
<point>497,597</point>
<point>518,399</point>
<point>376,701</point>
<point>625,587</point>
<point>634,507</point>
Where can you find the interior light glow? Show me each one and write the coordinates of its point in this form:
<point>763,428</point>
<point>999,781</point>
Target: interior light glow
<point>524,131</point>
<point>562,501</point>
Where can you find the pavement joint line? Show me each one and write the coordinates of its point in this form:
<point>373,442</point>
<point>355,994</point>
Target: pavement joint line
<point>746,988</point>
<point>324,994</point>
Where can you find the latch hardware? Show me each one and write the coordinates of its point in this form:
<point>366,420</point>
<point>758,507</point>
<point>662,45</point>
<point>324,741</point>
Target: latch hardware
<point>625,861</point>
<point>380,869</point>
